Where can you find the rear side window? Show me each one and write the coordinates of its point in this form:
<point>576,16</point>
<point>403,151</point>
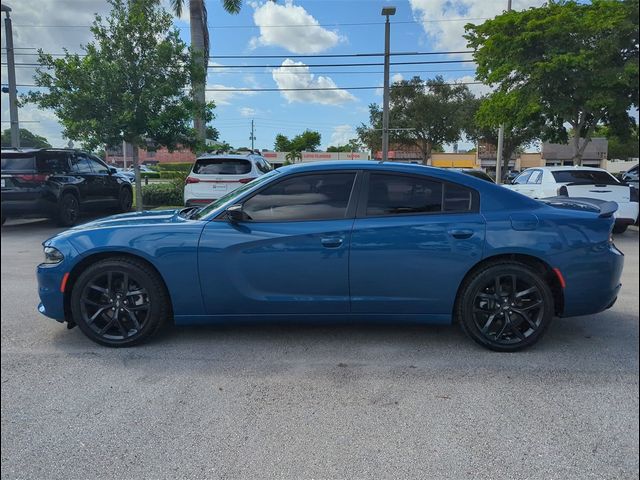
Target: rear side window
<point>80,164</point>
<point>584,177</point>
<point>303,197</point>
<point>53,162</point>
<point>401,194</point>
<point>221,166</point>
<point>17,162</point>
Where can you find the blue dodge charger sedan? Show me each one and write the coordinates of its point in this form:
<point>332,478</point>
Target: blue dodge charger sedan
<point>340,242</point>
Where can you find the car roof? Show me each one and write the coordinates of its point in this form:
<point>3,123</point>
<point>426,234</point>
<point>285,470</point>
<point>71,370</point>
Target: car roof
<point>565,168</point>
<point>237,156</point>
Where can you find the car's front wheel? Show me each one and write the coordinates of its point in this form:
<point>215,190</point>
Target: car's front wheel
<point>125,200</point>
<point>506,306</point>
<point>119,302</point>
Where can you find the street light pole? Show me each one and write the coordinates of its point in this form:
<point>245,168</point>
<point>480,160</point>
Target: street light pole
<point>387,12</point>
<point>11,73</point>
<point>501,136</point>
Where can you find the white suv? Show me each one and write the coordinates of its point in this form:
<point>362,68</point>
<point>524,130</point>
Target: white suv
<point>584,182</point>
<point>213,176</point>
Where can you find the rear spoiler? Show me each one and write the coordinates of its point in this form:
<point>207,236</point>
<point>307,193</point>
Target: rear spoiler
<point>602,207</point>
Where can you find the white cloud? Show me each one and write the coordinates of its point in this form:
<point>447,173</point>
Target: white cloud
<point>300,77</point>
<point>40,122</point>
<point>444,20</point>
<point>223,94</point>
<point>247,112</point>
<point>295,29</point>
<point>396,77</point>
<point>342,134</point>
<point>478,90</point>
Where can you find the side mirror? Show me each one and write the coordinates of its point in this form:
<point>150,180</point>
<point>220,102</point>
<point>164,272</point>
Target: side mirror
<point>112,170</point>
<point>235,213</point>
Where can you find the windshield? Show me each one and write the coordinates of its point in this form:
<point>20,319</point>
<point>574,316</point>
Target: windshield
<point>229,197</point>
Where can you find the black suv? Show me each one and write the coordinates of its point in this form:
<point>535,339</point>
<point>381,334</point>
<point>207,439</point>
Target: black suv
<point>59,183</point>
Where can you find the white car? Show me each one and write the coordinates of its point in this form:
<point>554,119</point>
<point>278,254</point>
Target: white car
<point>580,182</point>
<point>213,176</point>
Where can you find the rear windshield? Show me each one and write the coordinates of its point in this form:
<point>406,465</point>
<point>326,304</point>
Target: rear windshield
<point>12,162</point>
<point>584,177</point>
<point>221,166</point>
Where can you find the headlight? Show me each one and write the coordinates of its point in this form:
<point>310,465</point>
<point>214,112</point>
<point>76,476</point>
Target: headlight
<point>52,255</point>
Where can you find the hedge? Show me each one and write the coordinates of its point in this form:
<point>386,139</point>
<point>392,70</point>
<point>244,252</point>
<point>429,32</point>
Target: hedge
<point>174,167</point>
<point>157,194</point>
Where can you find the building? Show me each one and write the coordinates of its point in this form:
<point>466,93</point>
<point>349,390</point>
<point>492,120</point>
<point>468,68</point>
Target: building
<point>280,158</point>
<point>113,156</point>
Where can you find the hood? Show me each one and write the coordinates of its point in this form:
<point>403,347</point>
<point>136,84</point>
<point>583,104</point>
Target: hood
<point>145,217</point>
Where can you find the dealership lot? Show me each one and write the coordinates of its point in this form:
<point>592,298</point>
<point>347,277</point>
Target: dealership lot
<point>314,402</point>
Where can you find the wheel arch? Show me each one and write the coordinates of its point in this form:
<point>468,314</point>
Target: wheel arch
<point>73,191</point>
<point>83,264</point>
<point>530,261</point>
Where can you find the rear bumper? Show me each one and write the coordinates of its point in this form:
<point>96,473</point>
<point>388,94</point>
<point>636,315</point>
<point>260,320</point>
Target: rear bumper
<point>592,280</point>
<point>40,206</point>
<point>627,213</point>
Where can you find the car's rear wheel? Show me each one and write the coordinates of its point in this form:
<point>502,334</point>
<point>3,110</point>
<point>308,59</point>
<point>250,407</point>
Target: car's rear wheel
<point>68,210</point>
<point>125,200</point>
<point>119,302</point>
<point>506,306</point>
<point>620,228</point>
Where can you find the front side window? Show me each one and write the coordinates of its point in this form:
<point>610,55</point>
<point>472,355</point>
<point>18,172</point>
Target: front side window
<point>536,177</point>
<point>319,196</point>
<point>80,164</point>
<point>263,166</point>
<point>522,178</point>
<point>98,167</point>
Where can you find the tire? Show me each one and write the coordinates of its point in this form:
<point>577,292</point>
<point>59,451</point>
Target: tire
<point>620,228</point>
<point>68,210</point>
<point>119,302</point>
<point>125,200</point>
<point>500,317</point>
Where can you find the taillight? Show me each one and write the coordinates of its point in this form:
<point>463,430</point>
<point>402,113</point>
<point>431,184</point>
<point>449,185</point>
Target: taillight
<point>32,178</point>
<point>246,180</point>
<point>191,180</point>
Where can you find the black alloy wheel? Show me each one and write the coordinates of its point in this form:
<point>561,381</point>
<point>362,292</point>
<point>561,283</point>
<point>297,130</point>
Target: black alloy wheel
<point>506,307</point>
<point>119,302</point>
<point>68,210</point>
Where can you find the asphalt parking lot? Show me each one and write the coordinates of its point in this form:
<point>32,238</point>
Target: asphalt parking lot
<point>314,402</point>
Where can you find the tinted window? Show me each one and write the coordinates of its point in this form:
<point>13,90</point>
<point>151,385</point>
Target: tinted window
<point>52,162</point>
<point>80,164</point>
<point>396,194</point>
<point>536,177</point>
<point>584,177</point>
<point>97,166</point>
<point>479,174</point>
<point>17,162</point>
<point>522,178</point>
<point>263,165</point>
<point>304,197</point>
<point>221,166</point>
<point>457,198</point>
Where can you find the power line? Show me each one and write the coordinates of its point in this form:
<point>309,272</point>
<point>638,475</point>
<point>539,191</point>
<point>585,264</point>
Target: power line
<point>328,55</point>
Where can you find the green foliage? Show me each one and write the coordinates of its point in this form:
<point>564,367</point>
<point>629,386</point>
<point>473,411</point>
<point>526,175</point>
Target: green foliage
<point>156,194</point>
<point>130,84</point>
<point>27,139</point>
<point>293,156</point>
<point>354,145</point>
<point>621,146</point>
<point>174,167</point>
<point>562,63</point>
<point>307,141</point>
<point>433,113</point>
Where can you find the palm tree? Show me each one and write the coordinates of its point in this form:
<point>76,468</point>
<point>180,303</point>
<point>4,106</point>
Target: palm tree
<point>200,47</point>
<point>293,156</point>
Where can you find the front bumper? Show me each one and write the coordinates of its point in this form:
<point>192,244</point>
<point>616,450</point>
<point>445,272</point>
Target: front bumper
<point>51,298</point>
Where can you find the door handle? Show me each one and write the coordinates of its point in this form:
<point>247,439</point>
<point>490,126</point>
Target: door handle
<point>332,242</point>
<point>461,234</point>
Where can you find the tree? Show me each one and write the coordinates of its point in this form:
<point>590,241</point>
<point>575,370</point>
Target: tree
<point>484,126</point>
<point>200,47</point>
<point>620,147</point>
<point>435,113</point>
<point>27,139</point>
<point>307,141</point>
<point>565,63</point>
<point>293,156</point>
<point>353,145</point>
<point>129,86</point>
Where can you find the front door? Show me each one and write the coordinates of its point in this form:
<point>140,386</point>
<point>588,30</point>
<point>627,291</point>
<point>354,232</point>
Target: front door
<point>413,242</point>
<point>290,256</point>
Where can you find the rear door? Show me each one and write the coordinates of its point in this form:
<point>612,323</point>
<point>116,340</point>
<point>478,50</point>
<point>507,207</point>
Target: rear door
<point>413,241</point>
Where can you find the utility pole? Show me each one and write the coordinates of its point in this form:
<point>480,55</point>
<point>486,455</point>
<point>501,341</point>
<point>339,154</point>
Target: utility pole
<point>253,136</point>
<point>501,136</point>
<point>387,12</point>
<point>11,73</point>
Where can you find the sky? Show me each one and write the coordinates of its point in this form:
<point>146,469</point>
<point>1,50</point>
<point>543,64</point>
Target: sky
<point>286,29</point>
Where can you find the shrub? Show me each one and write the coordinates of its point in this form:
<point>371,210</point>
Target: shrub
<point>157,194</point>
<point>174,167</point>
